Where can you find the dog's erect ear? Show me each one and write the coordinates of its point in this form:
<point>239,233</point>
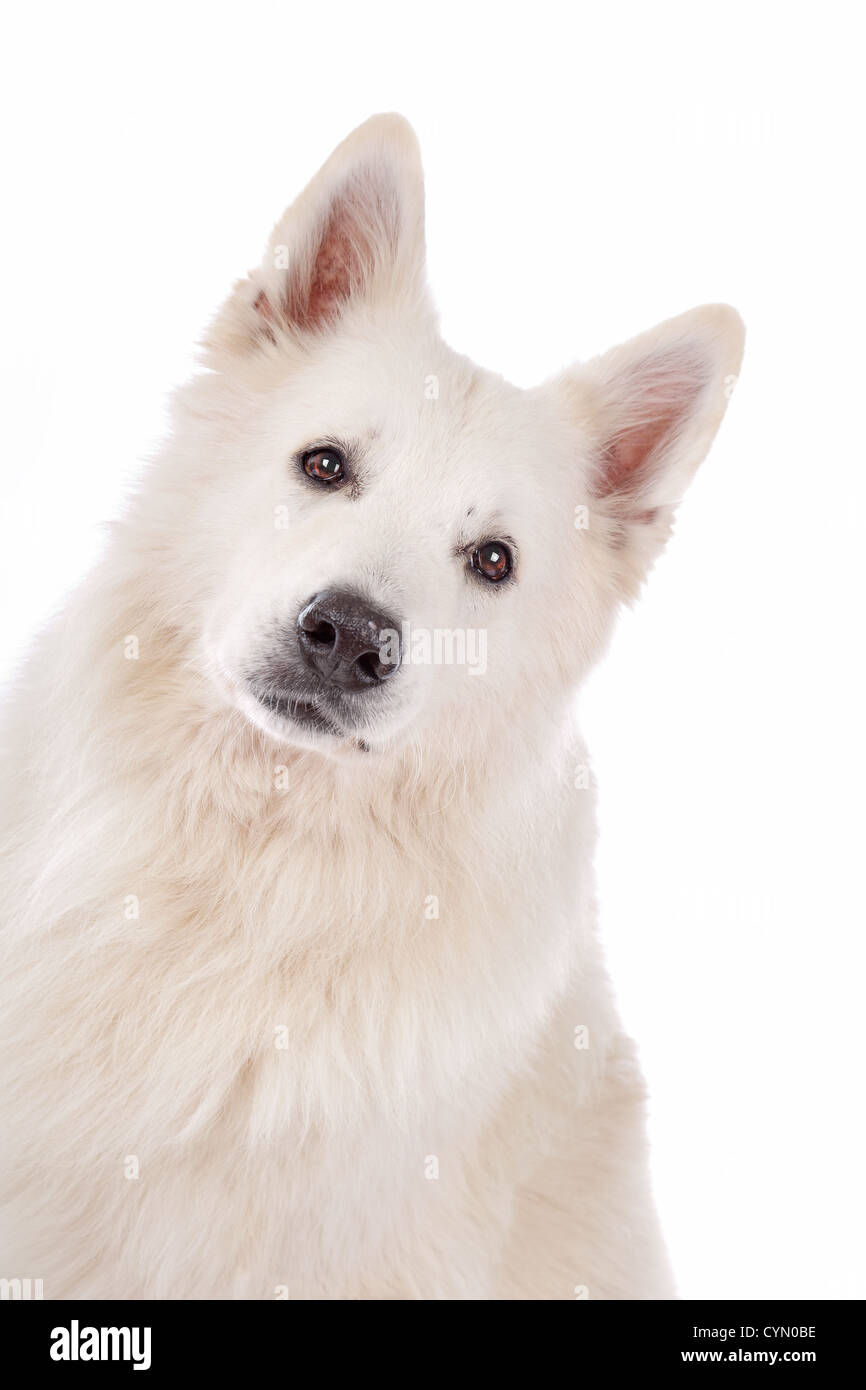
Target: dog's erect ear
<point>354,236</point>
<point>650,409</point>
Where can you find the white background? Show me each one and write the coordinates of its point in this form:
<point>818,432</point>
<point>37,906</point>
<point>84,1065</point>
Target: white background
<point>591,170</point>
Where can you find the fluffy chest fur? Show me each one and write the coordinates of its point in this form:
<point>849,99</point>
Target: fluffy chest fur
<point>288,988</point>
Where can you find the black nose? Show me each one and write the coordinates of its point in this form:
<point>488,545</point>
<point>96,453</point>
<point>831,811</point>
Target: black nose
<point>347,642</point>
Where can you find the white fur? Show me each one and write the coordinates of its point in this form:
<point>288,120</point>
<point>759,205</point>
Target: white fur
<point>299,899</point>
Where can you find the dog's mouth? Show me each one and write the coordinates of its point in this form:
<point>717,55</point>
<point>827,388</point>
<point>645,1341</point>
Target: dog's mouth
<point>299,710</point>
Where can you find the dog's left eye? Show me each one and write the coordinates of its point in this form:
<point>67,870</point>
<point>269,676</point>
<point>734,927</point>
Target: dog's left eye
<point>492,560</point>
<point>325,465</point>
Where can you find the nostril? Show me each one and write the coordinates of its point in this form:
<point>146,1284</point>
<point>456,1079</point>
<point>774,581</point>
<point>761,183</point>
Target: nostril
<point>324,634</point>
<point>371,667</point>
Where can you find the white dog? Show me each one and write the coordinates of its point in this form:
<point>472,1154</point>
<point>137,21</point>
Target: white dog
<point>301,994</point>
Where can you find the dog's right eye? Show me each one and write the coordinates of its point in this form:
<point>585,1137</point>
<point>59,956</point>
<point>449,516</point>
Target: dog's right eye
<point>325,465</point>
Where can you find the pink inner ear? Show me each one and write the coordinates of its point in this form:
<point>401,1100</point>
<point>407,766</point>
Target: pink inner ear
<point>653,401</point>
<point>359,230</point>
<point>342,260</point>
<point>628,454</point>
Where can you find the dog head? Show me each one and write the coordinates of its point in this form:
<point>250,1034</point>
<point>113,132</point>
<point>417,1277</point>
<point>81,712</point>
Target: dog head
<point>390,539</point>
